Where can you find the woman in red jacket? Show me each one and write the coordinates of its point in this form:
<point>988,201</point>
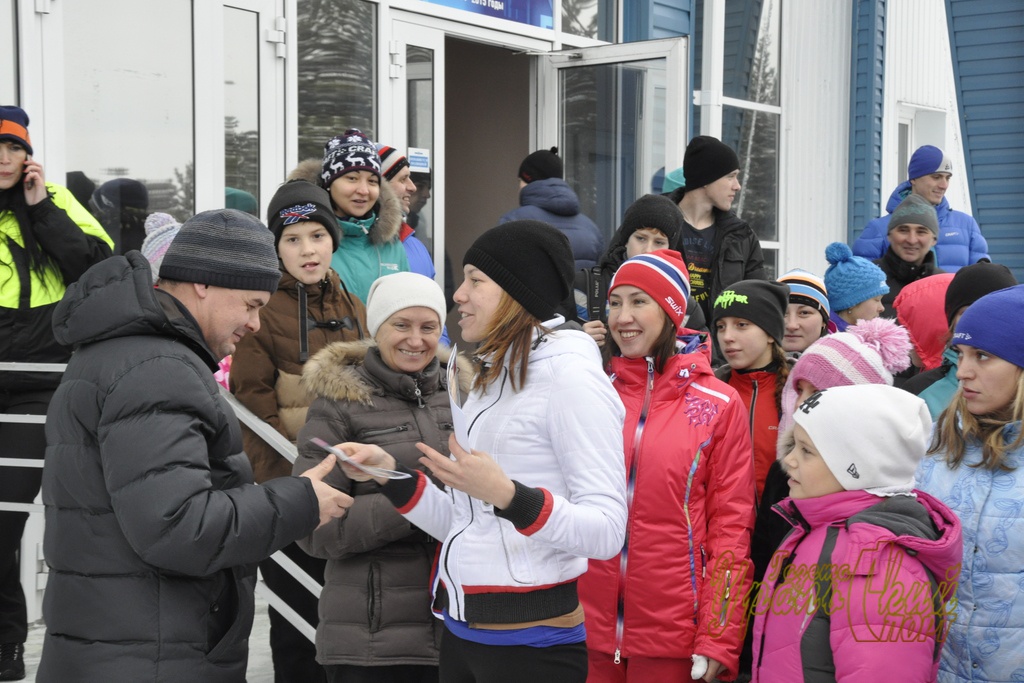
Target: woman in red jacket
<point>672,603</point>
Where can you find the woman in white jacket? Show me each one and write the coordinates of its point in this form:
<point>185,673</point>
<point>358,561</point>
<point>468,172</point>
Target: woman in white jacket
<point>539,488</point>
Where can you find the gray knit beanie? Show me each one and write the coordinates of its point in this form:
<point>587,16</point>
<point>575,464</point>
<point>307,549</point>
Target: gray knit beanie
<point>224,248</point>
<point>917,211</point>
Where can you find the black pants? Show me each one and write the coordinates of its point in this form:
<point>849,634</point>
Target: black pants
<point>294,656</point>
<point>402,673</point>
<point>463,661</point>
<point>17,485</point>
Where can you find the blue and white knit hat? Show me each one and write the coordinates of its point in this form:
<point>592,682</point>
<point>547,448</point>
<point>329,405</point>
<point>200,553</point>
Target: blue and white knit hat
<point>662,274</point>
<point>926,160</point>
<point>851,279</point>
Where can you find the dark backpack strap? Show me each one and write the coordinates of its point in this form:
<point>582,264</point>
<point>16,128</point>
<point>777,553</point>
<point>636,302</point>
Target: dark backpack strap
<point>595,297</point>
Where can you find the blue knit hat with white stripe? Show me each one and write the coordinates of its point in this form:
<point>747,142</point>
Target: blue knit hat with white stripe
<point>926,160</point>
<point>807,289</point>
<point>991,324</point>
<point>662,274</point>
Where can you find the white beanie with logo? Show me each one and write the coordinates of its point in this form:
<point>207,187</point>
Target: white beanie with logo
<point>871,436</point>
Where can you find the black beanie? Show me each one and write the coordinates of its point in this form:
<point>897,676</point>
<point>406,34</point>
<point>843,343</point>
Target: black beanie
<point>541,165</point>
<point>706,160</point>
<point>298,201</point>
<point>760,301</point>
<point>530,260</point>
<point>973,282</point>
<point>653,211</point>
<point>223,248</point>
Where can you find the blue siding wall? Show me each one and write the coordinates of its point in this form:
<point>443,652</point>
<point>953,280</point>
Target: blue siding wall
<point>987,43</point>
<point>653,19</point>
<point>866,80</point>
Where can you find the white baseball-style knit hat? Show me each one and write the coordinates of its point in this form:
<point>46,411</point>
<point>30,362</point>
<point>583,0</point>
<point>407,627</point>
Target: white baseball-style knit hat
<point>871,436</point>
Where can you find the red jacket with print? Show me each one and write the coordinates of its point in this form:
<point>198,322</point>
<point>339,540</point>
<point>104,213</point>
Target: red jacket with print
<point>685,568</point>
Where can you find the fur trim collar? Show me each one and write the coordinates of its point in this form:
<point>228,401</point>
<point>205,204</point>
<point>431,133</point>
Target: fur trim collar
<point>332,373</point>
<point>389,207</point>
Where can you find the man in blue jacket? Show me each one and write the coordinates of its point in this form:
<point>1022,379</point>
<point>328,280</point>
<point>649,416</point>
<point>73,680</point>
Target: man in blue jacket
<point>960,242</point>
<point>545,196</point>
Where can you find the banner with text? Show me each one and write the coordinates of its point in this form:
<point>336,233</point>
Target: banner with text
<point>532,12</point>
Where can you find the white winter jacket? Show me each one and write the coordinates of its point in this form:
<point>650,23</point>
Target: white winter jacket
<point>560,439</point>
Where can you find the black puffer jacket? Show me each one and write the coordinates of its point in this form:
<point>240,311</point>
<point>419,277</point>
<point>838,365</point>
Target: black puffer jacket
<point>375,606</point>
<point>153,526</point>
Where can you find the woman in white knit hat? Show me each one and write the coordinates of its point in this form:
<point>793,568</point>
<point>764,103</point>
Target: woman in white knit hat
<point>375,617</point>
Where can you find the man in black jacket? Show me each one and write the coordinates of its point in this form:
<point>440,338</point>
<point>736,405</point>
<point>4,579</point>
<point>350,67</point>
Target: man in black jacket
<point>153,525</point>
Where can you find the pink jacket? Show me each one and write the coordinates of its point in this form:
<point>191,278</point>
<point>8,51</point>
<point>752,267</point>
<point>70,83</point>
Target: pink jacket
<point>880,623</point>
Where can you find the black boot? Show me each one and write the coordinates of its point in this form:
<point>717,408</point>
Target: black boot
<point>12,662</point>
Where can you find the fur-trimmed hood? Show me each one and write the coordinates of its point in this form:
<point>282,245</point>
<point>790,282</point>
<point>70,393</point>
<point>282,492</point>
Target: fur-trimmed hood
<point>333,372</point>
<point>388,207</point>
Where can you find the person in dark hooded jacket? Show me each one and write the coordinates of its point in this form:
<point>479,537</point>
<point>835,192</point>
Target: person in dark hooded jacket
<point>153,524</point>
<point>545,196</point>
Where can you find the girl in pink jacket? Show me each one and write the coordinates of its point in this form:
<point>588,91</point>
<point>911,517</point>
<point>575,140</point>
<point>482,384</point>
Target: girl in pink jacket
<point>858,591</point>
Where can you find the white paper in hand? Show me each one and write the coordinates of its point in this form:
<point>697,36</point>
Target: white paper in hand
<point>459,424</point>
<point>372,471</point>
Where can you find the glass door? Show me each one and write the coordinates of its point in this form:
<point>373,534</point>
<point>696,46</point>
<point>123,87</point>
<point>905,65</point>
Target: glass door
<point>254,50</point>
<point>618,114</point>
<point>416,126</point>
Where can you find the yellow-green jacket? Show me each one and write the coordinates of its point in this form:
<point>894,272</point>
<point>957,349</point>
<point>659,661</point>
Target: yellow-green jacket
<point>74,241</point>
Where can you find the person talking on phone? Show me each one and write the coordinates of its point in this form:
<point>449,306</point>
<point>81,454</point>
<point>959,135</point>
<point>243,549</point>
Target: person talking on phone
<point>47,240</point>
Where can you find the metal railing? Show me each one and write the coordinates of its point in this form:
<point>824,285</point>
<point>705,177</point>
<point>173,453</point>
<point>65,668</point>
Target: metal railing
<point>270,435</point>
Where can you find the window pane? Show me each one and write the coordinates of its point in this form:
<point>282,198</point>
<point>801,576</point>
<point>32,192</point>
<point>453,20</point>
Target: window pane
<point>589,18</point>
<point>751,49</point>
<point>771,262</point>
<point>337,74</point>
<point>419,72</point>
<point>612,134</point>
<point>144,77</point>
<point>9,54</point>
<point>755,137</point>
<point>241,110</point>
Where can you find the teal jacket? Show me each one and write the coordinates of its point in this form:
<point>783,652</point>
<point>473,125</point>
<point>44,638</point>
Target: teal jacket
<point>370,247</point>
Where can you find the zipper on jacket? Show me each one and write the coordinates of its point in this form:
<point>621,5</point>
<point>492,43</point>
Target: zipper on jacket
<point>689,531</point>
<point>753,435</point>
<point>638,435</point>
<point>725,597</point>
<point>419,394</point>
<point>472,512</point>
<point>388,430</point>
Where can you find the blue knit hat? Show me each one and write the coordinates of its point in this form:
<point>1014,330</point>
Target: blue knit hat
<point>987,324</point>
<point>927,160</point>
<point>851,279</point>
